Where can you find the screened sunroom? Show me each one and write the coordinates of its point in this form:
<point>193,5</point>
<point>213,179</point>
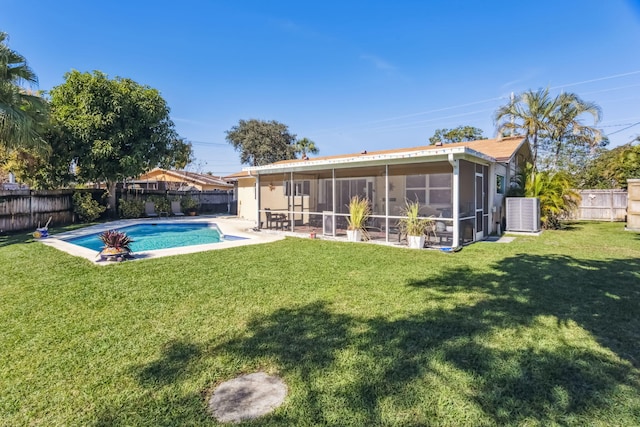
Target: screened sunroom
<point>455,186</point>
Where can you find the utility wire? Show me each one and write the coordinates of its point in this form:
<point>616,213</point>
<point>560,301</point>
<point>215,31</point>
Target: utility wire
<point>623,129</point>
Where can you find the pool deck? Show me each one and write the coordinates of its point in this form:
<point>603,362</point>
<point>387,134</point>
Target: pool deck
<point>231,226</point>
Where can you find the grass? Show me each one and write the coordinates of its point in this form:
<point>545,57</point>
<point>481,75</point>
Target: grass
<point>542,331</point>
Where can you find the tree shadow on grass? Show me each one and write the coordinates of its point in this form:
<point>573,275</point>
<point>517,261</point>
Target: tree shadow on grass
<point>12,239</point>
<point>174,363</point>
<point>602,296</point>
<point>442,365</point>
<point>391,360</point>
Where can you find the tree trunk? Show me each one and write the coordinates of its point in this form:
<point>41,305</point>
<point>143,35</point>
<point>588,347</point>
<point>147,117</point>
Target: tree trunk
<point>111,200</point>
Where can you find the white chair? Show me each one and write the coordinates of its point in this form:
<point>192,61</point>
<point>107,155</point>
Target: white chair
<point>176,209</point>
<point>150,209</point>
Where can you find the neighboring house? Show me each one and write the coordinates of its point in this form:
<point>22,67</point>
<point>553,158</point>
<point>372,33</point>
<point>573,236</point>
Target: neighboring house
<point>462,185</point>
<point>162,179</point>
<point>8,182</point>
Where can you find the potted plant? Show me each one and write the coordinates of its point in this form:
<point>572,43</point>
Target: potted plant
<point>189,205</point>
<point>359,212</point>
<point>413,225</point>
<point>116,245</point>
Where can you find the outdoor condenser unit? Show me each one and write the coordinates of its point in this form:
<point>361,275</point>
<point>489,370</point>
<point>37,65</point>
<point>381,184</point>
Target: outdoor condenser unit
<point>523,214</point>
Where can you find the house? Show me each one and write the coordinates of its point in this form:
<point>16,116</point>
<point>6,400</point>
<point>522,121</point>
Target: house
<point>163,179</point>
<point>461,185</point>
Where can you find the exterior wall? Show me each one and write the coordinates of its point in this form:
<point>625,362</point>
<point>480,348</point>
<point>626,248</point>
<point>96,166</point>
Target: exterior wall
<point>498,205</point>
<point>247,203</point>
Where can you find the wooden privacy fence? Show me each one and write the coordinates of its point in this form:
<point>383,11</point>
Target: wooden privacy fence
<point>27,209</point>
<point>602,205</point>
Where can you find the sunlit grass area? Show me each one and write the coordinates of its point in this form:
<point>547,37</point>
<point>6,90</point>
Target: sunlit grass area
<point>541,331</point>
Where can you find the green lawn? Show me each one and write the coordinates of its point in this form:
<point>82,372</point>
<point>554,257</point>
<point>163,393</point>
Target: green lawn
<point>541,331</point>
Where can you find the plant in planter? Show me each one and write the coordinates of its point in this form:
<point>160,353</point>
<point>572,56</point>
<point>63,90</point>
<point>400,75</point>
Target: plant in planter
<point>414,225</point>
<point>189,205</point>
<point>116,245</point>
<point>359,211</point>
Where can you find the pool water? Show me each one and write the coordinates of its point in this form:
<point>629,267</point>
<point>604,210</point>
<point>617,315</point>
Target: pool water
<point>147,237</point>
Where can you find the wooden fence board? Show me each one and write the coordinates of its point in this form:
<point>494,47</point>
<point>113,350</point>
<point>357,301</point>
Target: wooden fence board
<point>602,205</point>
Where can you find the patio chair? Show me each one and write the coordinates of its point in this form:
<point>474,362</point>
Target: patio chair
<point>277,219</point>
<point>176,209</point>
<point>150,209</point>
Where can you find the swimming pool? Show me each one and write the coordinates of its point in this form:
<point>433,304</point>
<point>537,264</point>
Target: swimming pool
<point>148,237</point>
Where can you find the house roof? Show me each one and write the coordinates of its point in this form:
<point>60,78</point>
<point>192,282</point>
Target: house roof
<point>235,176</point>
<point>198,178</point>
<point>491,150</point>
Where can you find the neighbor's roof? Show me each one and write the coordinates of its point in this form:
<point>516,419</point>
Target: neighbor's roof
<point>235,176</point>
<point>198,178</point>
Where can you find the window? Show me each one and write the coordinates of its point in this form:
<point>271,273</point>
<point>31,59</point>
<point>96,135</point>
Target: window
<point>500,184</point>
<point>433,189</point>
<point>416,189</point>
<point>300,188</point>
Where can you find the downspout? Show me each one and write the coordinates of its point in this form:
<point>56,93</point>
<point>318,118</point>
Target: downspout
<point>455,164</point>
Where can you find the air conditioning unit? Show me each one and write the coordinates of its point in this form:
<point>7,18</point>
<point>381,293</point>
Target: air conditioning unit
<point>523,214</point>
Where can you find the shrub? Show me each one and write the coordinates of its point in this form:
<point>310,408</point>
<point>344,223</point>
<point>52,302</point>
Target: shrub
<point>131,208</point>
<point>188,203</point>
<point>162,204</point>
<point>86,208</point>
<point>359,211</point>
<point>414,224</point>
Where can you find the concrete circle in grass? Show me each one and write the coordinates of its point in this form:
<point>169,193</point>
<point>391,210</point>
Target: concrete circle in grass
<point>247,397</point>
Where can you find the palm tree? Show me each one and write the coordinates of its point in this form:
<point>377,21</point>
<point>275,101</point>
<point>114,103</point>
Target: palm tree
<point>530,112</point>
<point>304,146</point>
<point>567,128</point>
<point>21,111</point>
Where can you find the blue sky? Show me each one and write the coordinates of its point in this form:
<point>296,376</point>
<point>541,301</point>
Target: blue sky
<point>350,75</point>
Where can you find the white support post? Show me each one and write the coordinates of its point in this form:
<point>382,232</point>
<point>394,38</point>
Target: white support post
<point>333,201</point>
<point>386,198</point>
<point>455,163</point>
<point>258,222</point>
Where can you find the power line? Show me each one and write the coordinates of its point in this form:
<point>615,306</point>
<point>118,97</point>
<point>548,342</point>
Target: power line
<point>623,129</point>
<point>613,76</point>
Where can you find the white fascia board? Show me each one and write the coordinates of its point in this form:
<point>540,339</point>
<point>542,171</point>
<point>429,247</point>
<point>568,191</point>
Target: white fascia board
<point>371,160</point>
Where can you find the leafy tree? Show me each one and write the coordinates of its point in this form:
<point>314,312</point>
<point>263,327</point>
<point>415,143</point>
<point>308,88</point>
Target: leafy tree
<point>555,189</point>
<point>459,134</point>
<point>20,110</point>
<point>304,146</point>
<point>260,142</point>
<point>115,128</point>
<point>41,169</point>
<point>612,168</point>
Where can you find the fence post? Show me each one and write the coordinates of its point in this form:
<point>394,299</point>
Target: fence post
<point>31,220</point>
